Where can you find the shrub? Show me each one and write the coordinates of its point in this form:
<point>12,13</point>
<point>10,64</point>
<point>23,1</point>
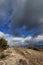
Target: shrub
<point>3,43</point>
<point>32,47</point>
<point>22,62</point>
<point>2,55</point>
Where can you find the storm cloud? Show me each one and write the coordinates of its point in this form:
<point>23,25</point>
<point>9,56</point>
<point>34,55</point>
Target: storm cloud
<point>28,13</point>
<point>4,11</point>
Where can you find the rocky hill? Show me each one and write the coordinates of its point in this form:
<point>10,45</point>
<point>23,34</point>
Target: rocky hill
<point>21,56</point>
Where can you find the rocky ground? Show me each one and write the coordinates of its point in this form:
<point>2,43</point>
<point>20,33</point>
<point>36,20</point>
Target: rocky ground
<point>22,56</point>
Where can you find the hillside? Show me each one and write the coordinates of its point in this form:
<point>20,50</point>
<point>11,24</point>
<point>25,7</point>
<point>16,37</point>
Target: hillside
<point>22,56</point>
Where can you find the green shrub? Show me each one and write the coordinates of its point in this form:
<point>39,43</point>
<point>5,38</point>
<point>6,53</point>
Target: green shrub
<point>3,43</point>
<point>32,47</point>
<point>2,55</point>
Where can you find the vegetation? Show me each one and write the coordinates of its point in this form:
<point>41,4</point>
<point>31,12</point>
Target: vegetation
<point>32,47</point>
<point>2,55</point>
<point>3,43</point>
<point>22,62</point>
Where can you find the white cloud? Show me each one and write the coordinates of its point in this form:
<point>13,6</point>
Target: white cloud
<point>20,41</point>
<point>3,35</point>
<point>41,20</point>
<point>14,41</point>
<point>8,37</point>
<point>38,38</point>
<point>28,38</point>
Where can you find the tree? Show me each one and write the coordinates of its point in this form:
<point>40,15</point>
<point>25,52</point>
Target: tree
<point>3,43</point>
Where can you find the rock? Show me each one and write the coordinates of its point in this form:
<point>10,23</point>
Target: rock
<point>22,56</point>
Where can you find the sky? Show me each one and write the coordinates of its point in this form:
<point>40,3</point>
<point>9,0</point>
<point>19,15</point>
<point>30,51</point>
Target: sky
<point>21,21</point>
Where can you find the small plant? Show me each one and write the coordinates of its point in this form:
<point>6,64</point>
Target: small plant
<point>32,47</point>
<point>22,62</point>
<point>2,55</point>
<point>3,43</point>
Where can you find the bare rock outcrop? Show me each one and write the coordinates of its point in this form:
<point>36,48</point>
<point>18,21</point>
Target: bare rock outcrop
<point>22,56</point>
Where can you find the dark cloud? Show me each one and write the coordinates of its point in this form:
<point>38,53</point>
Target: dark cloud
<point>28,13</point>
<point>5,11</point>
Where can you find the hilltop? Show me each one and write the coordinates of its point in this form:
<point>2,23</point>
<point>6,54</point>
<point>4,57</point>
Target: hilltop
<point>21,56</point>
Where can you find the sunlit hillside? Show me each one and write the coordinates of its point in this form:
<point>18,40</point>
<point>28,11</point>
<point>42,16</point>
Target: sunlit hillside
<point>21,56</point>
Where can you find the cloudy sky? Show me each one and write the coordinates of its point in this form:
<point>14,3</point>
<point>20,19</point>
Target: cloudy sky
<point>22,20</point>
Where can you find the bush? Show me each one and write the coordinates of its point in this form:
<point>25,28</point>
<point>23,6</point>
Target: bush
<point>3,43</point>
<point>22,62</point>
<point>2,55</point>
<point>32,47</point>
